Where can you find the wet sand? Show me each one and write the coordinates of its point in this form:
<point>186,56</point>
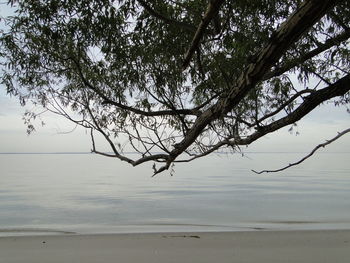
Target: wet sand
<point>255,246</point>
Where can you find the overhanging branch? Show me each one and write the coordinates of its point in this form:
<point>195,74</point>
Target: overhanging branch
<point>288,33</point>
<point>322,145</point>
<point>339,88</point>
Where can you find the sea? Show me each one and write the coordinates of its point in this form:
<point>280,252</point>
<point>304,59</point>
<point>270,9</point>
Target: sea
<point>83,193</point>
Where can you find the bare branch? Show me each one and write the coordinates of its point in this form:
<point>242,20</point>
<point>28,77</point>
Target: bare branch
<point>93,150</point>
<point>116,154</point>
<point>340,134</point>
<point>99,129</point>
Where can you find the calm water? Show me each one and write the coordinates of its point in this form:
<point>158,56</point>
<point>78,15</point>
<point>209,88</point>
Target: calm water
<point>84,193</point>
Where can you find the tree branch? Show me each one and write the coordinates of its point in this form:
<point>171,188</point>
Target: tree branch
<point>288,33</point>
<point>212,10</point>
<point>131,109</point>
<point>99,129</point>
<point>283,105</point>
<point>338,88</point>
<point>323,47</point>
<point>340,134</point>
<point>167,20</point>
<point>116,153</point>
<point>311,102</point>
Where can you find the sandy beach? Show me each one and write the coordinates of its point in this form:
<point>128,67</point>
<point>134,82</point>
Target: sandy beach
<point>256,246</point>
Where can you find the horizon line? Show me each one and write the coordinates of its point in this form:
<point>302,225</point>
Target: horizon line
<point>86,152</point>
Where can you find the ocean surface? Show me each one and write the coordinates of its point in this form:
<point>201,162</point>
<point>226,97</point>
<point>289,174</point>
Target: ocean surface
<point>86,193</point>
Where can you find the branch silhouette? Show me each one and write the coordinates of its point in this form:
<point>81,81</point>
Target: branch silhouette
<point>322,145</point>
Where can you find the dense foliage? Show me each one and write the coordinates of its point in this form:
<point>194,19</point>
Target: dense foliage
<point>177,77</point>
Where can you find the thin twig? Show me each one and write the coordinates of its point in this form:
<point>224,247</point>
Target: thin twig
<point>322,145</point>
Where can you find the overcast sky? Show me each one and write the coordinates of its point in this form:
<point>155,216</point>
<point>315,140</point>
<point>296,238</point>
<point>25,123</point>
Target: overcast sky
<point>323,123</point>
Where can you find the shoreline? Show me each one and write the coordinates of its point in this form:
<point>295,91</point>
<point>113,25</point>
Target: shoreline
<point>242,246</point>
<point>265,226</point>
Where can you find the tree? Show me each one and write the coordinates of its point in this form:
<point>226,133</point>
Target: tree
<point>177,80</point>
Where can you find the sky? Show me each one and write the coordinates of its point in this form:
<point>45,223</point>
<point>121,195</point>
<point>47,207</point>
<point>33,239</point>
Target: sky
<point>322,124</point>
